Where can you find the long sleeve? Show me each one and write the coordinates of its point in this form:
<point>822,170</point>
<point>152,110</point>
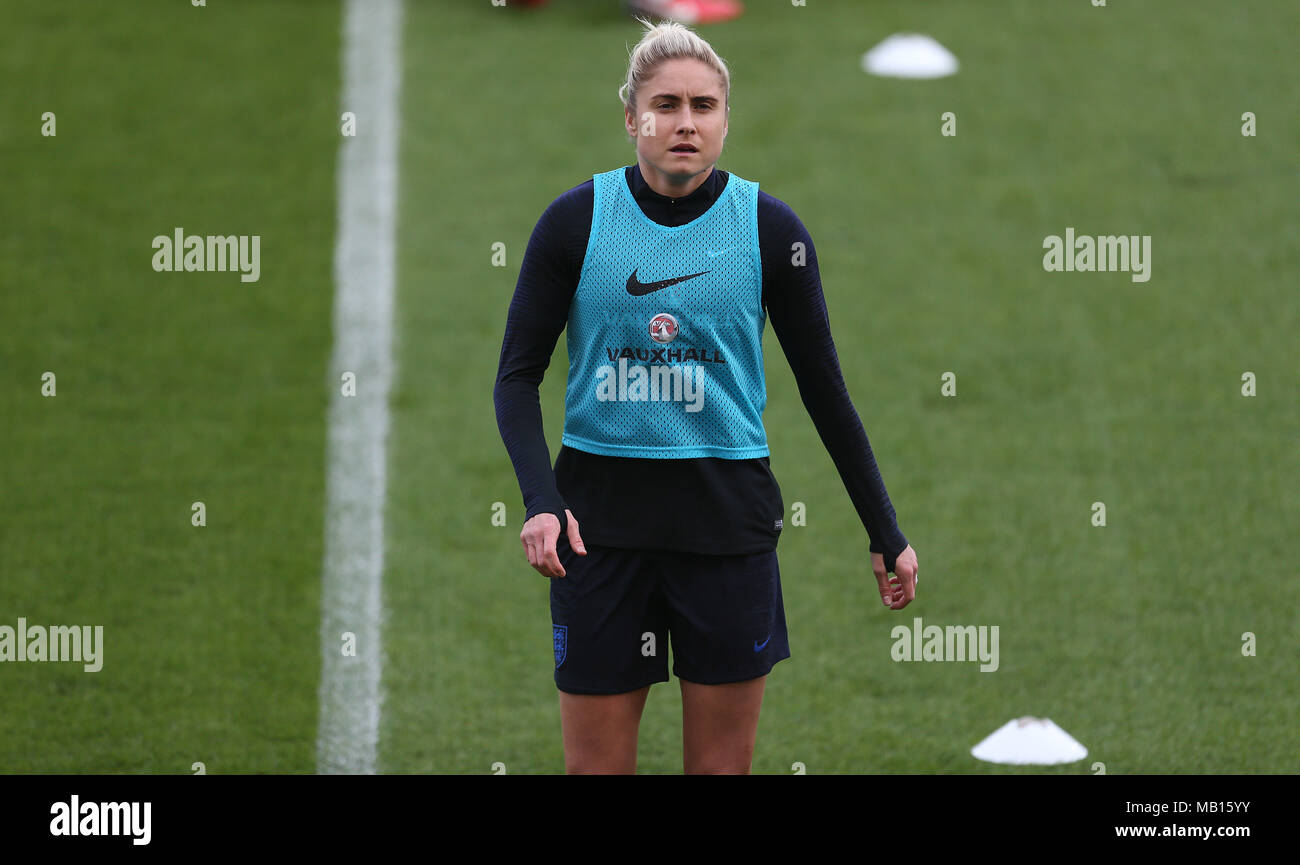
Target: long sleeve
<point>797,308</point>
<point>538,314</point>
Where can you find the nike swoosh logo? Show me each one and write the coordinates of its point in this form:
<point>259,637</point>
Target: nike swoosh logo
<point>758,648</point>
<point>637,289</point>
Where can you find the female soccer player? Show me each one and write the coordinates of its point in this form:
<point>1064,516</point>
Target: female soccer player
<point>663,273</point>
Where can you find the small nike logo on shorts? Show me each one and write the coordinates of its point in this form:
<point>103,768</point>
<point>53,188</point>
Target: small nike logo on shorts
<point>758,648</point>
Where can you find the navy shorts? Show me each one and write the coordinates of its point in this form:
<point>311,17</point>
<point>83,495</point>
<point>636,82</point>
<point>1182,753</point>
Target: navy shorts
<point>614,611</point>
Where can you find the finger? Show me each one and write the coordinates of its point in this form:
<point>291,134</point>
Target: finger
<point>909,583</point>
<point>904,593</point>
<point>535,557</point>
<point>575,537</point>
<point>528,537</point>
<point>886,591</point>
<point>552,560</point>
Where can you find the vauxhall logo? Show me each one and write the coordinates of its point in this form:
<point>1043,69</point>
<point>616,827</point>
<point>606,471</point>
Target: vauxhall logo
<point>668,378</point>
<point>663,355</point>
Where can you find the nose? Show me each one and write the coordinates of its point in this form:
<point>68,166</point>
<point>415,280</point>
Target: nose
<point>687,122</point>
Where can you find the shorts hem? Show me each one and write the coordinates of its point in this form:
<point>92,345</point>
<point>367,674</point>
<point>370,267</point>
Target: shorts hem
<point>729,678</point>
<point>602,691</point>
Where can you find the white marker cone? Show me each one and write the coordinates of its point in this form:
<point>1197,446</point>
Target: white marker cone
<point>909,55</point>
<point>1029,742</point>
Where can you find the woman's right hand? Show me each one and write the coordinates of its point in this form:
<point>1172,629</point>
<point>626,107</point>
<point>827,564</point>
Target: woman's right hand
<point>539,537</point>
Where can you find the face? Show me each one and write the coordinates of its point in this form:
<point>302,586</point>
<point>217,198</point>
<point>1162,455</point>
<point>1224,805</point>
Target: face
<point>685,99</point>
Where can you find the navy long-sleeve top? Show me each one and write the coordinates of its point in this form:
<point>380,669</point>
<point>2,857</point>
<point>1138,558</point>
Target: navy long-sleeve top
<point>703,505</point>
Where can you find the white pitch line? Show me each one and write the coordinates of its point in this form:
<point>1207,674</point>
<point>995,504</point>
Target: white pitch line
<point>351,595</point>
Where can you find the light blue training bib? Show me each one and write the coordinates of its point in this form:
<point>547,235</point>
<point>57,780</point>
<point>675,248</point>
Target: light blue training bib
<point>665,333</point>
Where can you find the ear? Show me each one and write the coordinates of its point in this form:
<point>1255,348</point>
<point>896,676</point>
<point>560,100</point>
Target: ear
<point>629,122</point>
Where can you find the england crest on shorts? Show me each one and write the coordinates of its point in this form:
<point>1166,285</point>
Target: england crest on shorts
<point>561,635</point>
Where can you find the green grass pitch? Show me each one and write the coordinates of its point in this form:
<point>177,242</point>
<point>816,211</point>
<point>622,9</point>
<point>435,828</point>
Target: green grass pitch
<point>1072,388</point>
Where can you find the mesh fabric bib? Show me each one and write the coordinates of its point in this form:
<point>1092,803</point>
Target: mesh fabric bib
<point>665,331</point>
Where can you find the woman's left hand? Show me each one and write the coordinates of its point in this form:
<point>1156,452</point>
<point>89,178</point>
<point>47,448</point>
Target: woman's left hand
<point>901,590</point>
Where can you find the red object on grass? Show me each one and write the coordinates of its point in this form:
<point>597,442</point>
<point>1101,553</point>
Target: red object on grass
<point>691,11</point>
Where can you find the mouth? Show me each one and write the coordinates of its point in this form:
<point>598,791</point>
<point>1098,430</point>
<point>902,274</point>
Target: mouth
<point>684,150</point>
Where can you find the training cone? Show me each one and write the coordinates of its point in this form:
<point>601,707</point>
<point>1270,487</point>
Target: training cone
<point>1029,742</point>
<point>909,55</point>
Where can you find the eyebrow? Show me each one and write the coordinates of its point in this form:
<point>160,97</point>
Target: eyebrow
<point>674,97</point>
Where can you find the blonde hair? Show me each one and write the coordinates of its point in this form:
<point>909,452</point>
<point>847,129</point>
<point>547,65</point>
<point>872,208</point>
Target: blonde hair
<point>668,41</point>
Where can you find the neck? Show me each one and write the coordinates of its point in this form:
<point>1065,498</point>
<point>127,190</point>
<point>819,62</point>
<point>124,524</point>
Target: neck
<point>672,185</point>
